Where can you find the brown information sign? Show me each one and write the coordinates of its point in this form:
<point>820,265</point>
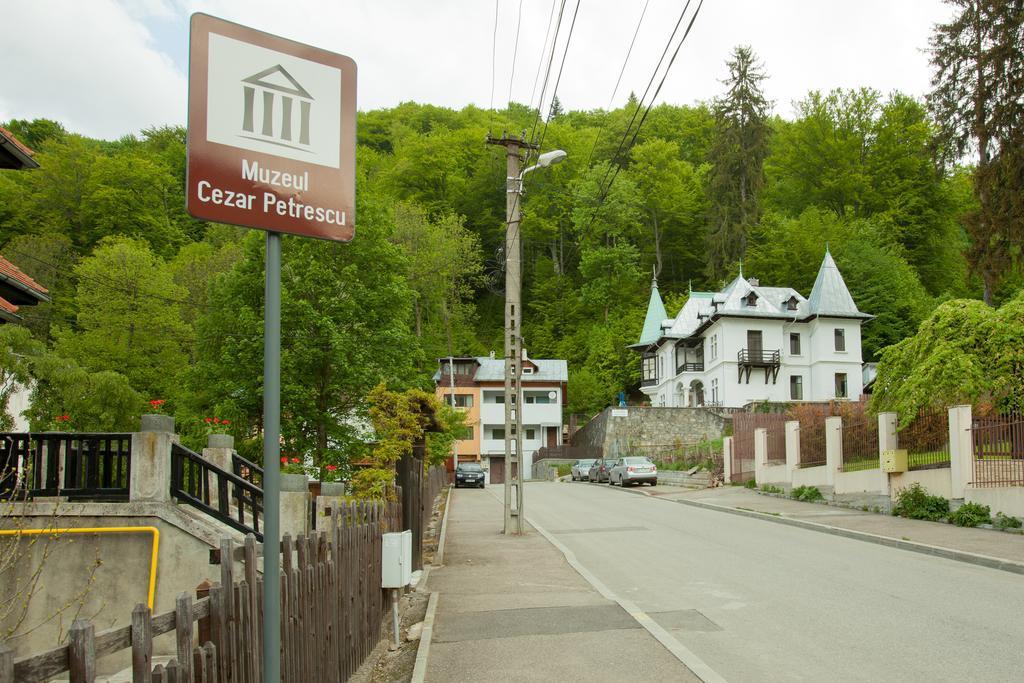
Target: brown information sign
<point>271,132</point>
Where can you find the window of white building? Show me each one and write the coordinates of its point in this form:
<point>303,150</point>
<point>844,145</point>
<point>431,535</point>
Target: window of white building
<point>841,385</point>
<point>714,391</point>
<point>794,343</point>
<point>796,388</point>
<point>714,346</point>
<point>840,339</point>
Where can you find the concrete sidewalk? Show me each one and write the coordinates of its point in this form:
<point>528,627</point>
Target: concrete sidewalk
<point>1005,549</point>
<point>512,608</point>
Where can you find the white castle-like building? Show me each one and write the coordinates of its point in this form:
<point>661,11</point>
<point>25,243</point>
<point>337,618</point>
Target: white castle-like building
<point>750,343</point>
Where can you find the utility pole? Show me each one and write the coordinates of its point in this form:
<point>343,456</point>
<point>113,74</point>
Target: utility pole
<point>451,397</point>
<point>513,333</point>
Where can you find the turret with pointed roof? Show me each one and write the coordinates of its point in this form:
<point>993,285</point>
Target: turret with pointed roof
<point>656,315</point>
<point>829,296</point>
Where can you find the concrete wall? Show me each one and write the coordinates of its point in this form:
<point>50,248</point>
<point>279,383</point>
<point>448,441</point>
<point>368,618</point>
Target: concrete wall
<point>1007,499</point>
<point>936,482</point>
<point>121,562</point>
<point>648,431</point>
<point>810,476</point>
<point>865,481</point>
<point>773,474</point>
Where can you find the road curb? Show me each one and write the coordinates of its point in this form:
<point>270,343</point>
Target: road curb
<point>419,670</point>
<point>868,537</point>
<point>439,554</point>
<point>686,657</point>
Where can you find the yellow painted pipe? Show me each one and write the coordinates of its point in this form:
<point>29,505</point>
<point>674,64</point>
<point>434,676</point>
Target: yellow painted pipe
<point>105,530</point>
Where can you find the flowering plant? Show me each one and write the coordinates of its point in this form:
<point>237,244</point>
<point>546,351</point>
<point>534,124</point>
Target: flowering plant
<point>156,405</point>
<point>215,425</point>
<point>292,465</point>
<point>62,422</point>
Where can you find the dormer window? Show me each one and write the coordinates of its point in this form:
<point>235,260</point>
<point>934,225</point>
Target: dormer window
<point>751,299</point>
<point>792,304</point>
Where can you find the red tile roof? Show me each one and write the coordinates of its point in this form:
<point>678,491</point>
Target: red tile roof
<point>16,142</point>
<point>7,305</point>
<point>12,271</point>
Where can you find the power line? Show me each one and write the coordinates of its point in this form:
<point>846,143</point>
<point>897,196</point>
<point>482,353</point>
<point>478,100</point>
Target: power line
<point>554,93</point>
<point>650,104</point>
<point>658,90</point>
<point>515,55</point>
<point>615,90</point>
<point>494,52</point>
<point>640,103</point>
<point>547,73</point>
<point>543,49</point>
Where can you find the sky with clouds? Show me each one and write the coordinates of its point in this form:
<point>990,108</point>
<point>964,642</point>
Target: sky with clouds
<point>106,68</point>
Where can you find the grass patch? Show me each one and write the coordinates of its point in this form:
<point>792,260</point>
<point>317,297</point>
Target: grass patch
<point>914,502</point>
<point>564,469</point>
<point>1002,521</point>
<point>806,494</point>
<point>971,515</point>
<point>861,465</point>
<point>750,484</point>
<point>768,488</point>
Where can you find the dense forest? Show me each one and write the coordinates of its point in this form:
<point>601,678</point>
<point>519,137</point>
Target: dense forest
<point>149,304</point>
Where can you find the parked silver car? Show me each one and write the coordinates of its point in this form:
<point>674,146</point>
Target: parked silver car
<point>599,471</point>
<point>633,470</point>
<point>581,470</point>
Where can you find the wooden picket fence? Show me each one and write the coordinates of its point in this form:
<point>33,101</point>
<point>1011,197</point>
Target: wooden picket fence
<point>332,611</point>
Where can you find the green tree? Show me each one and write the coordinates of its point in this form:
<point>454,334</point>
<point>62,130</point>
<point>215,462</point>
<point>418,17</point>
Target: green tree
<point>977,98</point>
<point>128,317</point>
<point>737,158</point>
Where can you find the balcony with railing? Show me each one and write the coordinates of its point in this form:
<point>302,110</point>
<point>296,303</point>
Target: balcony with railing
<point>748,359</point>
<point>690,367</point>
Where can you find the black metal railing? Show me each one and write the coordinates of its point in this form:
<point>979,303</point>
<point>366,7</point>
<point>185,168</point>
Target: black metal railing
<point>759,356</point>
<point>252,473</point>
<point>223,495</point>
<point>649,382</point>
<point>690,367</point>
<point>79,466</point>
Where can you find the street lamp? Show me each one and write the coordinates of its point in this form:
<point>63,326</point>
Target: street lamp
<point>546,159</point>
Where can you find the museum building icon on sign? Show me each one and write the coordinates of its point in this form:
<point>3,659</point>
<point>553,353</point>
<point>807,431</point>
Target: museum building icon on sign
<point>276,108</point>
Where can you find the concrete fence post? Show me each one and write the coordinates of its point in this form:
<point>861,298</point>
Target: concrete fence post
<point>150,478</point>
<point>295,513</point>
<point>833,448</point>
<point>887,441</point>
<point>760,454</point>
<point>219,449</point>
<point>792,448</point>
<point>961,450</point>
<point>727,458</point>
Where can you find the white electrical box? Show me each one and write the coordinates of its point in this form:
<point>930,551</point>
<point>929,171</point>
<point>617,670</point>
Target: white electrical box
<point>396,559</point>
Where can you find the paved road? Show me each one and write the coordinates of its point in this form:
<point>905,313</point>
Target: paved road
<point>758,601</point>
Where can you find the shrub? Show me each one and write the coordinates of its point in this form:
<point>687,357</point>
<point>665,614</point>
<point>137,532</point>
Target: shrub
<point>1004,522</point>
<point>750,484</point>
<point>971,514</point>
<point>768,488</point>
<point>806,494</point>
<point>915,503</point>
<point>564,469</point>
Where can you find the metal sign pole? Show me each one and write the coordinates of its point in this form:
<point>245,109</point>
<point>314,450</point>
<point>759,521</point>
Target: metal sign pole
<point>272,463</point>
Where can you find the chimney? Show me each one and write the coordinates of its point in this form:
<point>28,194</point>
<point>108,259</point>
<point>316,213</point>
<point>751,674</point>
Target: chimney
<point>753,282</point>
<point>492,354</point>
<point>525,354</point>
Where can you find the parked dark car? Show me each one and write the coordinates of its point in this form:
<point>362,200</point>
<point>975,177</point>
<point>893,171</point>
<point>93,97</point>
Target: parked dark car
<point>469,474</point>
<point>634,470</point>
<point>581,470</point>
<point>598,471</point>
